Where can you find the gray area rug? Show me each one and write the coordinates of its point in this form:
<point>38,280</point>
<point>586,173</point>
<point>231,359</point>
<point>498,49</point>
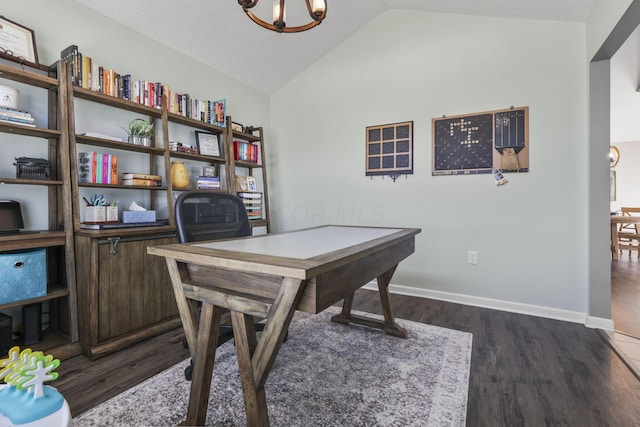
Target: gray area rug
<point>326,374</point>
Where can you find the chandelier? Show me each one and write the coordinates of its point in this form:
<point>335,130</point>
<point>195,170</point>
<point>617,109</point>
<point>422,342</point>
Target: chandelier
<point>317,11</point>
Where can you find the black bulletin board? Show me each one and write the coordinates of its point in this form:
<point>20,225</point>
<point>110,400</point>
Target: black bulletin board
<point>389,149</point>
<point>478,143</point>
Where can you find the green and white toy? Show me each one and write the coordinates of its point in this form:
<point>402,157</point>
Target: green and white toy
<point>24,400</point>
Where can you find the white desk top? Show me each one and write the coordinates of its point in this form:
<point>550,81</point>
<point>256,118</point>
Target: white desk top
<point>303,244</point>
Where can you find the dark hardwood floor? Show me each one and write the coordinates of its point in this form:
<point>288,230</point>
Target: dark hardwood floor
<point>625,294</point>
<point>525,371</point>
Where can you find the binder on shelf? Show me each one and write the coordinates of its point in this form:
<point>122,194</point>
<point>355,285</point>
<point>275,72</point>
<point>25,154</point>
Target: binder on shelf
<point>252,201</point>
<point>117,225</point>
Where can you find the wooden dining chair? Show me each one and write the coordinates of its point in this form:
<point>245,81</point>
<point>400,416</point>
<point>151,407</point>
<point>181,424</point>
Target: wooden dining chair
<point>629,233</point>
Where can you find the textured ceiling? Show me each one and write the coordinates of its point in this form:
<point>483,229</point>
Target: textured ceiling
<point>219,34</point>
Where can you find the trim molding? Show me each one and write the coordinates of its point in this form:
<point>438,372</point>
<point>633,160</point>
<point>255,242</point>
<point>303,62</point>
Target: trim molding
<point>495,304</point>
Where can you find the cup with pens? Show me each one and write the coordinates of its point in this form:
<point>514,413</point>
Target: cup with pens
<point>99,209</point>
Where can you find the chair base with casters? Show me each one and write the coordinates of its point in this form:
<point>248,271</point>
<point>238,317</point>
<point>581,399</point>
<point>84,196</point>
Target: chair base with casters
<point>211,215</point>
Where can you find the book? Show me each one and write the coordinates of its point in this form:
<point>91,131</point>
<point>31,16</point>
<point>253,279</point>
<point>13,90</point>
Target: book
<point>16,121</point>
<point>249,195</point>
<point>116,225</point>
<point>106,169</point>
<point>209,182</point>
<point>144,182</point>
<point>114,169</point>
<point>98,169</point>
<point>69,55</point>
<point>102,136</point>
<point>12,112</point>
<point>84,167</point>
<point>86,72</point>
<point>135,175</point>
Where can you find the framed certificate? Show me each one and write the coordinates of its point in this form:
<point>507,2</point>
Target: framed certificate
<point>17,43</point>
<point>208,144</point>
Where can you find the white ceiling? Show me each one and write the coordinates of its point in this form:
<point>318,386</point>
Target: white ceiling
<point>219,34</point>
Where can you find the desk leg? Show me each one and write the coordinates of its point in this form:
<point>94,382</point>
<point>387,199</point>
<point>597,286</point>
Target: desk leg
<point>256,365</point>
<point>203,359</point>
<point>255,399</point>
<point>389,325</point>
<point>202,345</point>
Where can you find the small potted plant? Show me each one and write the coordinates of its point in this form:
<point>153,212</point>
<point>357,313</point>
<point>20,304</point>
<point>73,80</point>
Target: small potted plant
<point>140,132</point>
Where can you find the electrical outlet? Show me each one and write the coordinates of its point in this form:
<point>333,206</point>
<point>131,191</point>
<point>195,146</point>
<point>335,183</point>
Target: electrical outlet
<point>472,257</point>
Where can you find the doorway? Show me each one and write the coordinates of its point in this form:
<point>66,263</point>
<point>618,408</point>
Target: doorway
<point>625,137</point>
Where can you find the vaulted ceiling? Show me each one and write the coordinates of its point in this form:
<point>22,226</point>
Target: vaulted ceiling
<point>219,34</point>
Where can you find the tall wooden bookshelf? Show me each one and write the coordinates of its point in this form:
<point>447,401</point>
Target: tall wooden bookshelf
<point>249,168</point>
<point>61,337</point>
<point>124,294</point>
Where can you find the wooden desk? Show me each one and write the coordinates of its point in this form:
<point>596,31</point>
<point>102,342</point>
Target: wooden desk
<point>615,220</point>
<point>270,277</point>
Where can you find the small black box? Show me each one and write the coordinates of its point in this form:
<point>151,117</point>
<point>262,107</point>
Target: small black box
<point>32,323</point>
<point>5,334</point>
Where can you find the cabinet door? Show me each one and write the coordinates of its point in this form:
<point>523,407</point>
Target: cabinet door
<point>134,288</point>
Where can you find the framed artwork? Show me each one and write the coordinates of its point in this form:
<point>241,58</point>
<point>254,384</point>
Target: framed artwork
<point>612,185</point>
<point>251,184</point>
<point>389,150</point>
<point>18,43</point>
<point>481,142</point>
<point>208,144</point>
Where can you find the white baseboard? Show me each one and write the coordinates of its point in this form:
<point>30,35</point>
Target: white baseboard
<point>599,323</point>
<point>512,307</point>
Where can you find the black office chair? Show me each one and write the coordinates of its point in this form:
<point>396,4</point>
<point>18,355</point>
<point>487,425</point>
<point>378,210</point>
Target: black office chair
<point>210,215</point>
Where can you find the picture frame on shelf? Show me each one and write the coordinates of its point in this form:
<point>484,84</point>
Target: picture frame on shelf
<point>251,184</point>
<point>208,144</point>
<point>237,127</point>
<point>245,183</point>
<point>18,43</point>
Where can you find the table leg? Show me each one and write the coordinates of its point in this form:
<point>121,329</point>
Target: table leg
<point>255,399</point>
<point>255,365</point>
<point>389,325</point>
<point>203,360</point>
<point>614,240</point>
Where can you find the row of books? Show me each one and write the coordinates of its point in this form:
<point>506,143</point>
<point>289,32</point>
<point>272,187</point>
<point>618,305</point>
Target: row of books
<point>246,151</point>
<point>145,179</point>
<point>97,168</point>
<point>87,74</point>
<point>252,203</point>
<point>208,182</point>
<point>10,115</point>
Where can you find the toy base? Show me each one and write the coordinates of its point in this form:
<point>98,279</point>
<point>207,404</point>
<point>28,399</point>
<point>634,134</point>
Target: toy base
<point>60,418</point>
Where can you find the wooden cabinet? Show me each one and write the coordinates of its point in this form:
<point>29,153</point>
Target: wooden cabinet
<point>61,336</point>
<point>125,295</point>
